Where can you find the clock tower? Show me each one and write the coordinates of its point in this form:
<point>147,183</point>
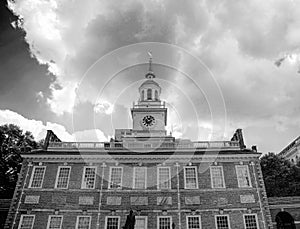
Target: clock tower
<point>149,113</point>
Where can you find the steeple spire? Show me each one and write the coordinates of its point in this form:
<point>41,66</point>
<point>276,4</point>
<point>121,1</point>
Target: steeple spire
<point>150,73</point>
<point>150,61</point>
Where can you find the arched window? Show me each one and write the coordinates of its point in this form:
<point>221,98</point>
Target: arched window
<point>149,94</point>
<point>143,95</point>
<point>285,220</point>
<point>156,95</point>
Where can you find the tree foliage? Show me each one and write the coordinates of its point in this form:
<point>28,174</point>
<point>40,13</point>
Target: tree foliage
<point>282,178</point>
<point>13,142</point>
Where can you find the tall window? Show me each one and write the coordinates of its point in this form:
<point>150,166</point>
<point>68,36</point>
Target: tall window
<point>37,177</point>
<point>115,180</point>
<point>243,176</point>
<point>112,222</point>
<point>143,95</point>
<point>89,177</point>
<point>139,177</point>
<point>62,177</point>
<point>250,221</point>
<point>83,222</point>
<point>164,222</point>
<point>149,94</point>
<point>217,177</point>
<point>222,222</point>
<point>156,95</point>
<point>164,178</point>
<point>140,222</point>
<point>26,222</point>
<point>193,222</point>
<point>55,222</point>
<point>190,178</point>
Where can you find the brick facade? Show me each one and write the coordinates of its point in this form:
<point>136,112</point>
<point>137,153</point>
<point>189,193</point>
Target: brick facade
<point>100,202</point>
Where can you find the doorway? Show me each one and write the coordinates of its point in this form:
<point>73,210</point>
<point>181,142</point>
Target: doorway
<point>284,220</point>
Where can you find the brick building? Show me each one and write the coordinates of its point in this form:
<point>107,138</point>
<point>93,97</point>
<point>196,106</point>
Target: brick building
<point>167,182</point>
<point>285,212</point>
<point>292,151</point>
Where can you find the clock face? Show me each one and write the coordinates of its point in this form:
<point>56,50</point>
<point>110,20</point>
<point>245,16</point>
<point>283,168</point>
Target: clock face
<point>148,121</point>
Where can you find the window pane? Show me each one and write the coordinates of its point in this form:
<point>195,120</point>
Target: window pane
<point>190,178</point>
<point>26,222</point>
<point>115,177</point>
<point>63,177</point>
<point>37,177</point>
<point>164,178</point>
<point>112,223</point>
<point>164,223</point>
<point>156,95</point>
<point>149,94</point>
<point>193,222</point>
<point>83,222</point>
<point>243,176</point>
<point>250,222</point>
<point>143,95</point>
<point>55,222</point>
<point>140,223</point>
<point>140,177</point>
<point>89,178</point>
<point>217,177</point>
<point>222,222</point>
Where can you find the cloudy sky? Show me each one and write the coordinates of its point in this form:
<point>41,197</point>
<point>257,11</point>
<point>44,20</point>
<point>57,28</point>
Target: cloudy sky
<point>75,67</point>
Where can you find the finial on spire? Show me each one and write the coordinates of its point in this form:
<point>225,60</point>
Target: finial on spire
<point>150,61</point>
<point>150,74</point>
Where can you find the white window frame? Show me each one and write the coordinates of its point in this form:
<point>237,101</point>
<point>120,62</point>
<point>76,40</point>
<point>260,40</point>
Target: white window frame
<point>110,173</point>
<point>190,216</point>
<point>32,175</point>
<point>248,173</point>
<point>143,217</point>
<point>228,220</point>
<point>196,172</point>
<point>253,214</point>
<point>49,219</point>
<point>57,174</point>
<point>83,184</point>
<point>159,217</point>
<point>107,217</point>
<point>158,178</point>
<point>21,220</point>
<point>145,178</point>
<point>86,216</point>
<point>222,174</point>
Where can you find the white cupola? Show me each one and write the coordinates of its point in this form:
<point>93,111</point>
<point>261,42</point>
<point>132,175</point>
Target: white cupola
<point>150,90</point>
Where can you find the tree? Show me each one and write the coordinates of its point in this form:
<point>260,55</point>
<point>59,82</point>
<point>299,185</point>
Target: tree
<point>13,142</point>
<point>281,177</point>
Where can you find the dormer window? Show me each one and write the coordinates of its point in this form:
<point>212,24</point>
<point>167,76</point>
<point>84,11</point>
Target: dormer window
<point>156,95</point>
<point>149,94</point>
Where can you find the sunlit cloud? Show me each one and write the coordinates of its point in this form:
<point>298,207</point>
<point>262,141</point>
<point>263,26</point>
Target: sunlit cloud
<point>251,47</point>
<point>104,107</point>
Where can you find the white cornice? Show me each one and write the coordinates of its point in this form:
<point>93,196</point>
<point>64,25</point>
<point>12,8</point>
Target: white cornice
<point>144,158</point>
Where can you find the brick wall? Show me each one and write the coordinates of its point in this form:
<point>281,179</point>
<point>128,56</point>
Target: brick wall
<point>204,201</point>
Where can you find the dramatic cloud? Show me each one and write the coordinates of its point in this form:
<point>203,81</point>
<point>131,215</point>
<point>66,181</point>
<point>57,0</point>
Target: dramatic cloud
<point>39,130</point>
<point>242,43</point>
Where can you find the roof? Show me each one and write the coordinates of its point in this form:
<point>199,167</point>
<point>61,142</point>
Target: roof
<point>149,81</point>
<point>291,145</point>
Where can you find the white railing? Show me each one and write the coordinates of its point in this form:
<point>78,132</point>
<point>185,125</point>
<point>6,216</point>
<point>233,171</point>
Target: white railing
<point>157,104</point>
<point>144,145</point>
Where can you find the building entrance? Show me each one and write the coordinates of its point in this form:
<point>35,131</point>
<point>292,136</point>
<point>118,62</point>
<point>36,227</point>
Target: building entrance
<point>285,221</point>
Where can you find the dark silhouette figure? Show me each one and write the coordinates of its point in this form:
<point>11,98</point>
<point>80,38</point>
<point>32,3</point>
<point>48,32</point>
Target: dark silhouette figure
<point>130,221</point>
<point>173,225</point>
